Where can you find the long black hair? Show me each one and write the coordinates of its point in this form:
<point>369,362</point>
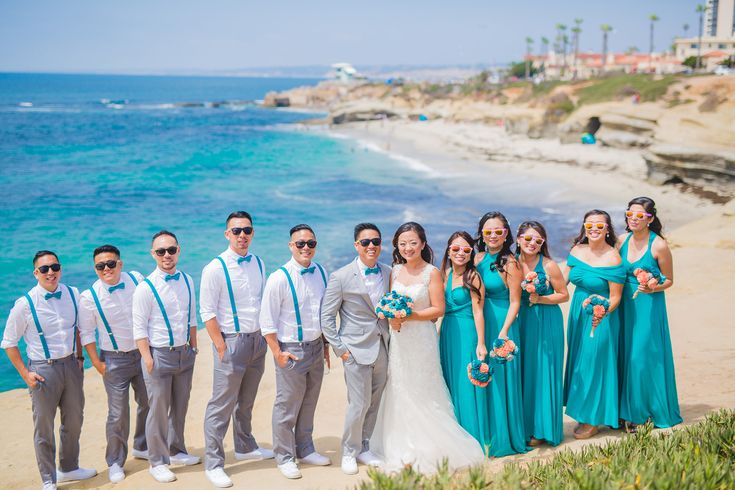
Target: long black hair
<point>610,237</point>
<point>539,228</point>
<point>505,252</point>
<point>426,253</point>
<point>470,272</point>
<point>650,207</point>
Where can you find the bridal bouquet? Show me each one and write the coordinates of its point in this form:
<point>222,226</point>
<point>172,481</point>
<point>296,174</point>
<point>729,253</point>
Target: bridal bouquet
<point>596,306</point>
<point>536,283</point>
<point>504,350</point>
<point>479,373</point>
<point>650,278</point>
<point>394,305</point>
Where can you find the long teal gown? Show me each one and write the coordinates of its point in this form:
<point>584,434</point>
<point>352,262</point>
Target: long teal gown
<point>542,352</point>
<point>505,399</point>
<point>648,380</point>
<point>591,377</point>
<point>457,347</point>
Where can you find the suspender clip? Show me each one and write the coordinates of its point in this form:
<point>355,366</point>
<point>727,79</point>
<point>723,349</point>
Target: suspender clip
<point>171,348</point>
<point>49,361</point>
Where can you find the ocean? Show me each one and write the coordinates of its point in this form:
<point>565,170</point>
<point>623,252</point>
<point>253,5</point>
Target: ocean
<point>89,159</point>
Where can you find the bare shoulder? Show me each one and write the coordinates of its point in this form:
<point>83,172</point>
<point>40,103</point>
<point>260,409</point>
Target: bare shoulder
<point>479,257</point>
<point>550,266</point>
<point>659,245</point>
<point>621,239</point>
<point>613,257</point>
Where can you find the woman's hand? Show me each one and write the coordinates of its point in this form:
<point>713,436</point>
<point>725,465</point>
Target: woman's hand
<point>395,323</point>
<point>533,298</point>
<point>481,351</point>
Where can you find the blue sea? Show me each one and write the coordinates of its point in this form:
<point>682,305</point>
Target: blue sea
<point>87,160</point>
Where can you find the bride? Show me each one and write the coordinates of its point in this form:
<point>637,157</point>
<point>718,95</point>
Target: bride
<point>416,423</point>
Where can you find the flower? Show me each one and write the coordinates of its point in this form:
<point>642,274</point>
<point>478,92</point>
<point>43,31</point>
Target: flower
<point>598,311</point>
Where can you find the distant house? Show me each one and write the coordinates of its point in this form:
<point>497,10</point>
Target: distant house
<point>345,72</point>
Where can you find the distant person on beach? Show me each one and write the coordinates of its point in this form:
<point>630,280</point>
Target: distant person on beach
<point>164,327</point>
<point>46,318</point>
<point>106,308</point>
<point>361,341</point>
<point>289,321</point>
<point>229,304</point>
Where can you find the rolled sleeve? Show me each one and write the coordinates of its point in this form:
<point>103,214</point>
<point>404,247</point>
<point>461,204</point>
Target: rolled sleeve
<point>87,318</point>
<point>209,293</point>
<point>142,301</point>
<point>270,307</point>
<point>16,325</point>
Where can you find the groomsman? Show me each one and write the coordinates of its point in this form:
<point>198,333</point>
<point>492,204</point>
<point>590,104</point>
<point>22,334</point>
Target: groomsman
<point>107,307</point>
<point>46,318</point>
<point>361,341</point>
<point>289,320</point>
<point>164,328</point>
<point>229,303</point>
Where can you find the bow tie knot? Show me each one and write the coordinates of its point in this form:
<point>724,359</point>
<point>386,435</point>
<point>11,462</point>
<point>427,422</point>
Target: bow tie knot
<point>372,270</point>
<point>172,277</point>
<point>308,270</point>
<point>247,258</point>
<point>112,289</point>
<point>56,295</point>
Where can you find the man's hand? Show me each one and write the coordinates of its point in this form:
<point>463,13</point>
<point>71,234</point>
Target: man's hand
<point>282,358</point>
<point>327,360</point>
<point>101,367</point>
<point>32,379</point>
<point>148,364</point>
<point>346,356</point>
<point>221,348</point>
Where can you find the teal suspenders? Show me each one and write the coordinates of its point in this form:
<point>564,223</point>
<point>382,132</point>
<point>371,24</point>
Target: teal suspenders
<point>321,271</point>
<point>165,316</point>
<point>132,278</point>
<point>41,336</point>
<point>296,299</point>
<point>103,318</point>
<point>230,292</point>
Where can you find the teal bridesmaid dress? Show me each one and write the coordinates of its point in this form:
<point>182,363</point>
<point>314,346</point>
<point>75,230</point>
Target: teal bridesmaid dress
<point>542,352</point>
<point>648,381</point>
<point>457,347</point>
<point>591,377</point>
<point>505,399</point>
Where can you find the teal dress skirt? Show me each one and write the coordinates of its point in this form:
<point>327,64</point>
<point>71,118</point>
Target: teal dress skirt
<point>457,347</point>
<point>542,352</point>
<point>591,377</point>
<point>505,399</point>
<point>648,381</point>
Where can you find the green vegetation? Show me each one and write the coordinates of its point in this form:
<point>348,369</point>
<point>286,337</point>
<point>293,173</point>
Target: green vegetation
<point>649,87</point>
<point>701,456</point>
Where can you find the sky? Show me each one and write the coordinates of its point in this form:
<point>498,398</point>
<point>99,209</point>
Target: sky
<point>136,36</point>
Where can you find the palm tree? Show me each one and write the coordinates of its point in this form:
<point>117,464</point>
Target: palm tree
<point>529,48</point>
<point>545,51</point>
<point>686,28</point>
<point>701,9</point>
<point>563,39</point>
<point>653,18</point>
<point>605,28</point>
<point>577,30</point>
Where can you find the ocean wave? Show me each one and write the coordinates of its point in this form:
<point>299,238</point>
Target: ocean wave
<point>412,163</point>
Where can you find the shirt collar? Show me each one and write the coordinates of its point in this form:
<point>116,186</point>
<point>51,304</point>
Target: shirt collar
<point>364,267</point>
<point>234,255</point>
<point>296,266</point>
<point>160,273</point>
<point>43,290</point>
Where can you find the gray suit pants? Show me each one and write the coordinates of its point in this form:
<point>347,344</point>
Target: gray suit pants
<point>63,388</point>
<point>122,370</point>
<point>297,393</point>
<point>235,384</point>
<point>168,387</point>
<point>365,384</point>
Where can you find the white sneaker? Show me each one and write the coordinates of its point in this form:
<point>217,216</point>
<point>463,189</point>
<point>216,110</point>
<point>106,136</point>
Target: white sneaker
<point>256,454</point>
<point>316,459</point>
<point>349,465</point>
<point>185,459</point>
<point>368,458</point>
<point>74,475</point>
<point>161,473</point>
<point>116,473</point>
<point>47,485</point>
<point>290,470</point>
<point>218,477</point>
<point>138,454</point>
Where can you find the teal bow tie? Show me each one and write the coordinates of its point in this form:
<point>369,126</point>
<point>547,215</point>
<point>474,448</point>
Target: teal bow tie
<point>308,270</point>
<point>172,277</point>
<point>247,258</point>
<point>56,295</point>
<point>372,270</point>
<point>111,289</point>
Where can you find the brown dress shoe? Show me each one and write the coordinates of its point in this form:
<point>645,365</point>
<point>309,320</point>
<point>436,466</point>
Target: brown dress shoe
<point>535,442</point>
<point>586,431</point>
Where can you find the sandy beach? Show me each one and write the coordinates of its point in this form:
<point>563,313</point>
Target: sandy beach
<point>702,236</point>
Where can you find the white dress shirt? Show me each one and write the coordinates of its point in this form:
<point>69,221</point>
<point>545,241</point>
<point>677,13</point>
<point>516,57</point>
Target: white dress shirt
<point>277,313</point>
<point>118,309</point>
<point>373,282</point>
<point>56,316</point>
<point>148,322</point>
<point>248,279</point>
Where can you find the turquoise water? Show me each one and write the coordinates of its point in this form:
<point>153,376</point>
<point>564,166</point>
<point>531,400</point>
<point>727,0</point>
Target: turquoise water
<point>87,160</point>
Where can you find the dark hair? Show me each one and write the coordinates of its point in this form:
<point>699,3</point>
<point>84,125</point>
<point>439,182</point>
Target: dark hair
<point>238,214</point>
<point>106,249</point>
<point>538,227</point>
<point>505,252</point>
<point>359,228</point>
<point>162,233</point>
<point>650,208</point>
<point>610,238</point>
<point>299,228</point>
<point>42,253</point>
<point>470,272</point>
<point>426,253</point>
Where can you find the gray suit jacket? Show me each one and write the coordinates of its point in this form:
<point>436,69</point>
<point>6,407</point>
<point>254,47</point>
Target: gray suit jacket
<point>360,330</point>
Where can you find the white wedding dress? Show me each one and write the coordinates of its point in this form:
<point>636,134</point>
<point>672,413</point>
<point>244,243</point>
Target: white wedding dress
<point>416,423</point>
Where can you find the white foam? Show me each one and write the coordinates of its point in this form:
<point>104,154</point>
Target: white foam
<point>26,104</point>
<point>412,163</point>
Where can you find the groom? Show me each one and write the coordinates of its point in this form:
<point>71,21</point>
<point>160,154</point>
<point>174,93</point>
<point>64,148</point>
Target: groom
<point>361,341</point>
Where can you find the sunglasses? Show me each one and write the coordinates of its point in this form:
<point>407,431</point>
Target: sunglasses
<point>301,244</point>
<point>100,266</point>
<point>598,226</point>
<point>529,238</point>
<point>457,248</point>
<point>162,251</point>
<point>631,214</point>
<point>43,269</point>
<point>496,231</point>
<point>248,230</point>
<point>367,241</point>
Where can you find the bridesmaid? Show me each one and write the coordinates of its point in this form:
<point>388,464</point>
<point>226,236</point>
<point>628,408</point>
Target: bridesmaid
<point>501,276</point>
<point>542,339</point>
<point>591,379</point>
<point>462,335</point>
<point>648,380</point>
